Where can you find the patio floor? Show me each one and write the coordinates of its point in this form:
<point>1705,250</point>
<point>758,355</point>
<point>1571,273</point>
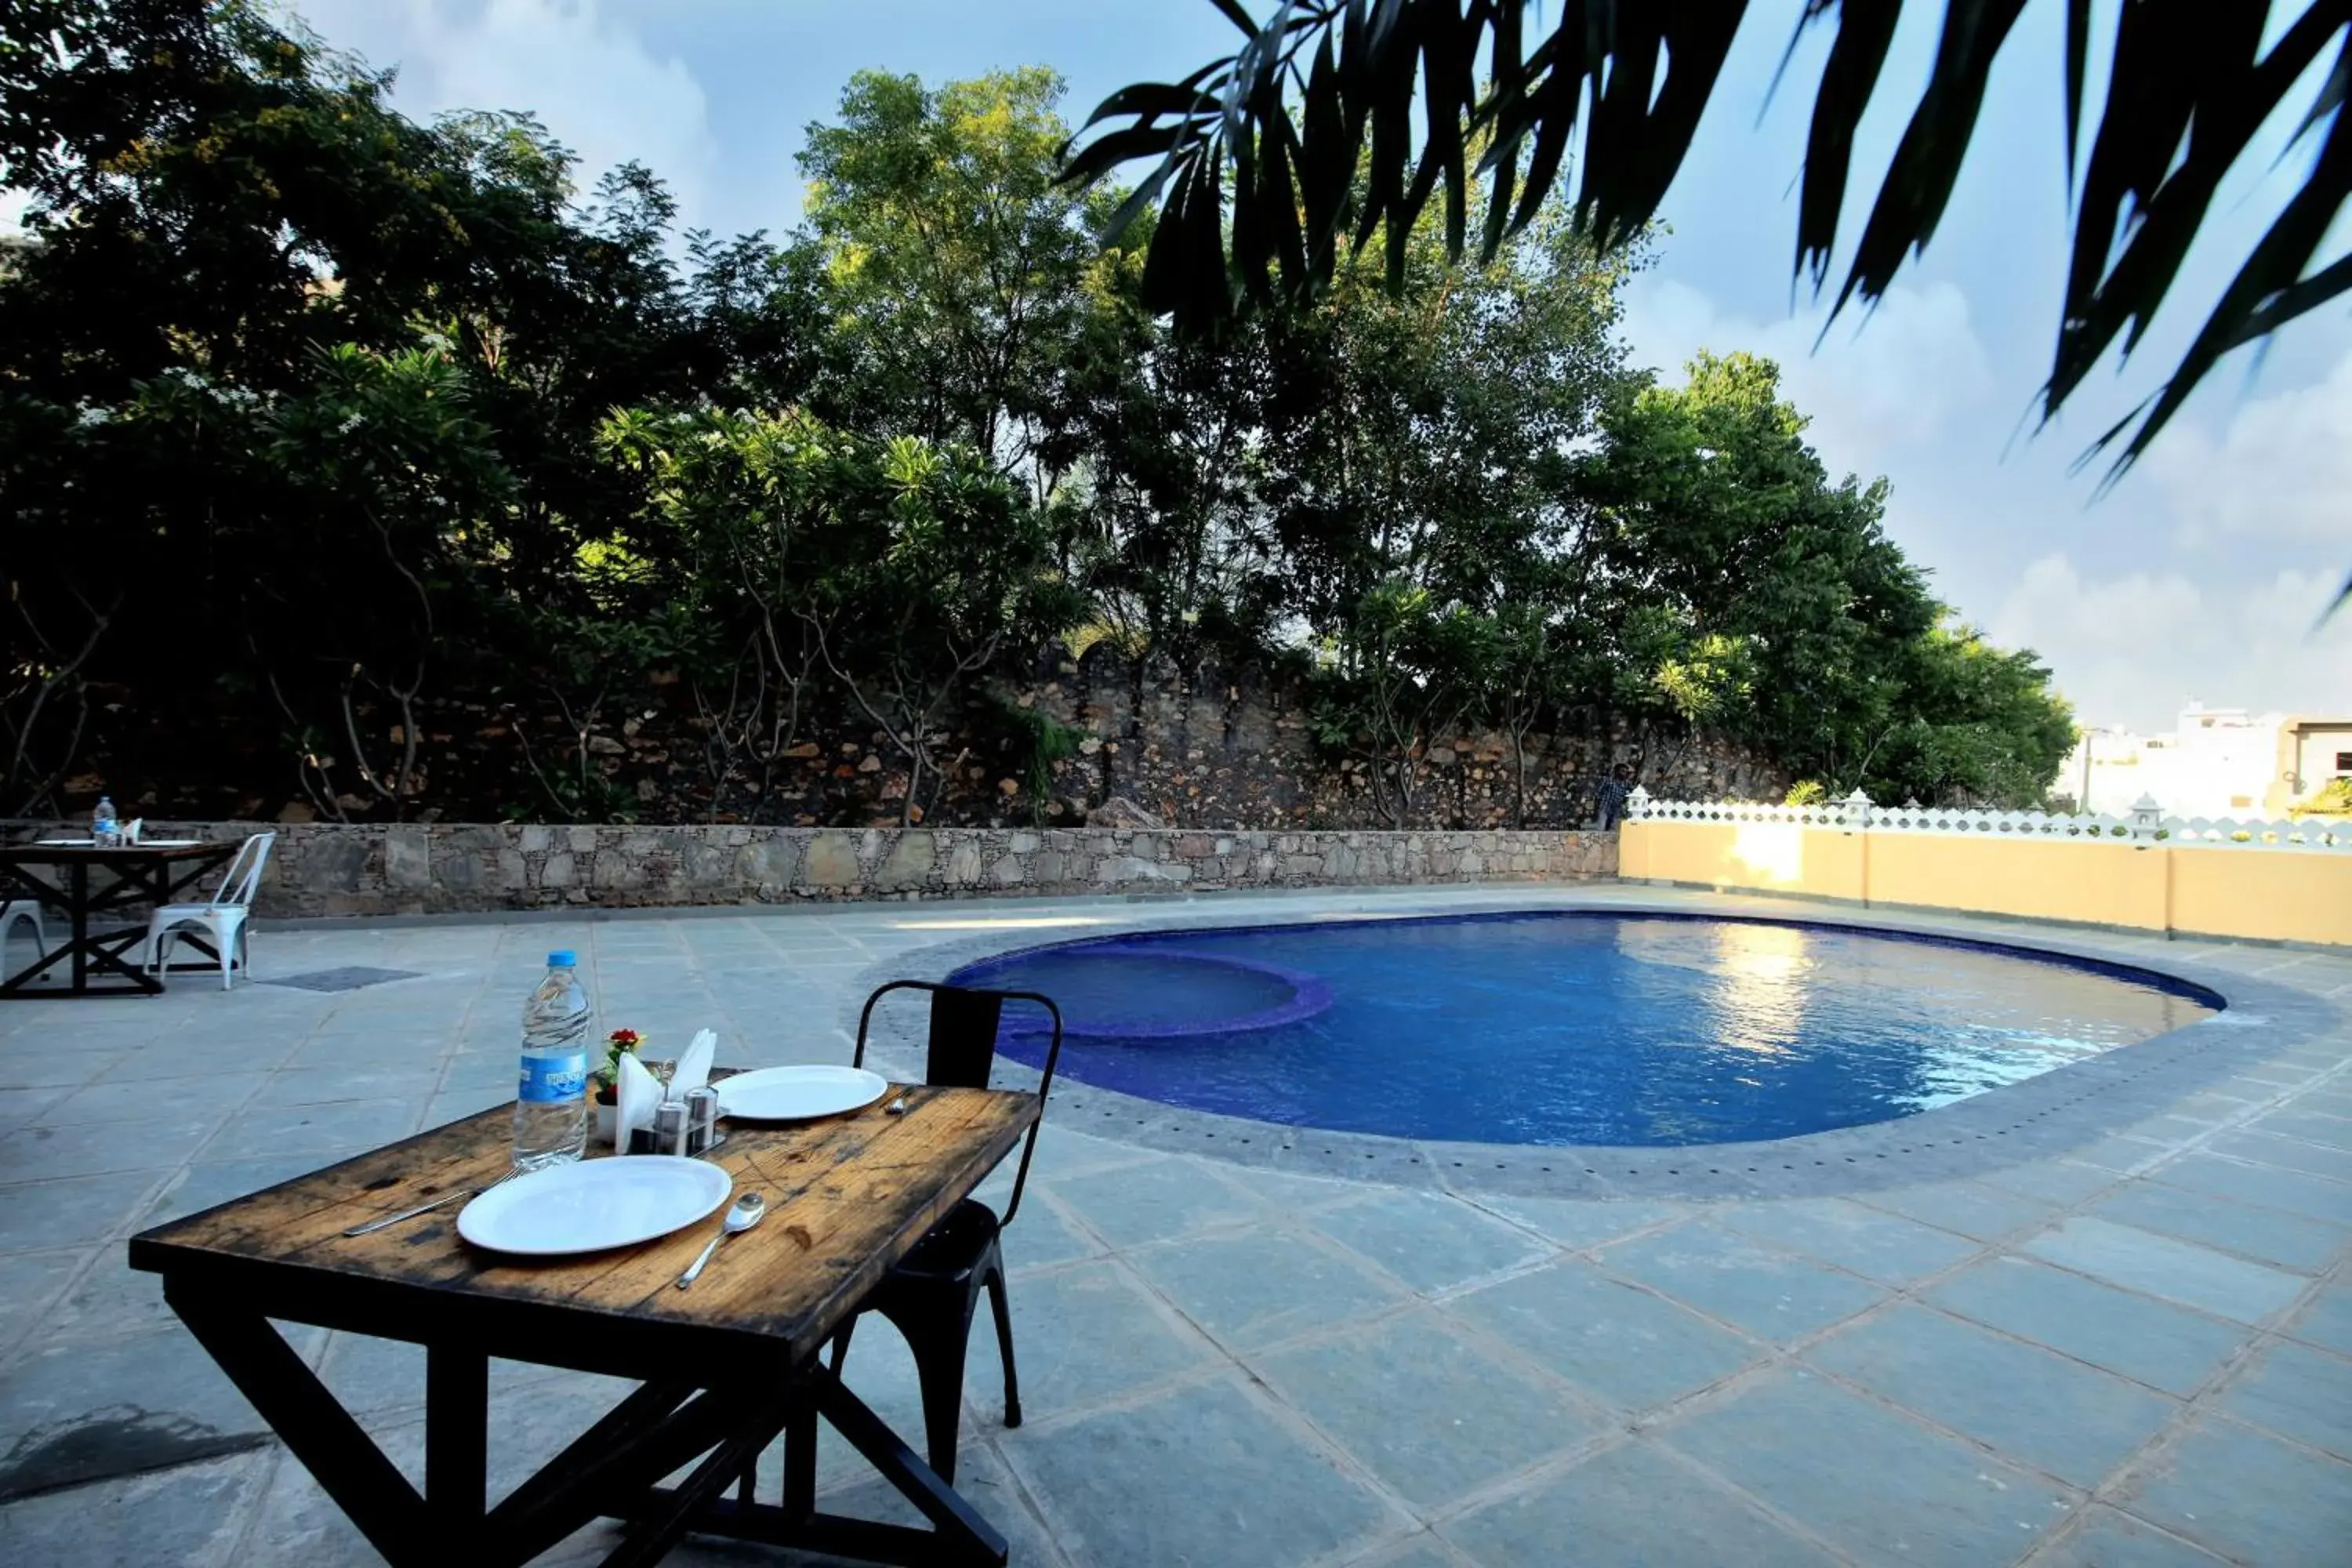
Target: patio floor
<point>2140,1352</point>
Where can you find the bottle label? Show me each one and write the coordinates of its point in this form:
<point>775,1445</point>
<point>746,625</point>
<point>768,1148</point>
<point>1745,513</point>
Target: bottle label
<point>548,1079</point>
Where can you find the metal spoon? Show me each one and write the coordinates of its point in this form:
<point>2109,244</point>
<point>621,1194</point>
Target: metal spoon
<point>747,1212</point>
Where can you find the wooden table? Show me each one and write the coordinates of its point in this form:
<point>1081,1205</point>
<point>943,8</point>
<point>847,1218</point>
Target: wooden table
<point>725,1367</point>
<point>138,874</point>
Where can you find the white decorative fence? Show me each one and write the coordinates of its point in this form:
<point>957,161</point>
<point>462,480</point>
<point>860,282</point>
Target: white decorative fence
<point>2147,824</point>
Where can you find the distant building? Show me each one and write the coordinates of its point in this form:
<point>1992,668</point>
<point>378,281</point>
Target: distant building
<point>2215,761</point>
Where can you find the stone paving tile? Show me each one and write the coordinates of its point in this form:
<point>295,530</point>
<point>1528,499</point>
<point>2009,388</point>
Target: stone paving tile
<point>2106,1539</point>
<point>1261,1286</point>
<point>1430,1414</point>
<point>1132,1204</point>
<point>2304,1393</point>
<point>69,1211</point>
<point>2314,1197</point>
<point>1635,1350</point>
<point>331,1132</point>
<point>1081,1334</point>
<point>2247,1495</point>
<point>142,1098</point>
<point>188,1517</point>
<point>2267,1236</point>
<point>73,1412</point>
<point>2160,1266</point>
<point>18,1106</point>
<point>1975,1209</point>
<point>1931,1499</point>
<point>1199,1475</point>
<point>1891,1250</point>
<point>1421,1550</point>
<point>2312,1126</point>
<point>1632,1504</point>
<point>2287,1154</point>
<point>2159,1345</point>
<point>1040,1234</point>
<point>2328,1319</point>
<point>206,1183</point>
<point>1585,1223</point>
<point>2056,1183</point>
<point>2057,1415</point>
<point>1754,1288</point>
<point>46,1153</point>
<point>31,1280</point>
<point>1432,1243</point>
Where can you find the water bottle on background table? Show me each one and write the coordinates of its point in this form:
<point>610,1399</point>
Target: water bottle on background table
<point>103,825</point>
<point>551,1115</point>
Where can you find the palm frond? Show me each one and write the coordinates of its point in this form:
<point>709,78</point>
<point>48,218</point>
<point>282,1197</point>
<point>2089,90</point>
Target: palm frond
<point>1315,116</point>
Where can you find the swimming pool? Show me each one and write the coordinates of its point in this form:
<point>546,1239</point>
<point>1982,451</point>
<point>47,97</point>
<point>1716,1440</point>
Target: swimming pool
<point>1579,1027</point>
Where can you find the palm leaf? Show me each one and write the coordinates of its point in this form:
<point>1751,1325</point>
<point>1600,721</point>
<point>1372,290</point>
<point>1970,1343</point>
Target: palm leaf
<point>1315,116</point>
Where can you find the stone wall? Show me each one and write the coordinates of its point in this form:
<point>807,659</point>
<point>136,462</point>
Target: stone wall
<point>321,869</point>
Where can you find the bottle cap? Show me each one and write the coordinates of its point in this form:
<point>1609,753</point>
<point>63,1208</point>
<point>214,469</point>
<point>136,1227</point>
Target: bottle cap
<point>562,958</point>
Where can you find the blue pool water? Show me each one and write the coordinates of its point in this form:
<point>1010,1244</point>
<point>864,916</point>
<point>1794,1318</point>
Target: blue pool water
<point>1586,1027</point>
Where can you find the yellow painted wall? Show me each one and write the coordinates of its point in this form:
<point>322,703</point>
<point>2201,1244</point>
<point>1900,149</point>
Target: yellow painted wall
<point>2277,896</point>
<point>2112,884</point>
<point>2282,895</point>
<point>1771,857</point>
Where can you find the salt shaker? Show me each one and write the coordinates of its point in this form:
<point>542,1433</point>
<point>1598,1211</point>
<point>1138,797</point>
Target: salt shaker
<point>670,1128</point>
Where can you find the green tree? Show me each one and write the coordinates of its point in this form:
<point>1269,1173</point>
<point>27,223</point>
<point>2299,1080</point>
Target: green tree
<point>953,258</point>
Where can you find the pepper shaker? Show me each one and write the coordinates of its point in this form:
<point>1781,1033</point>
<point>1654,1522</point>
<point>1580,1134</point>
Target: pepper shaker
<point>702,1120</point>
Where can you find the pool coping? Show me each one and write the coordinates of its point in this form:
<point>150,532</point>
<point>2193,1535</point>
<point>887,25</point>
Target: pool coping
<point>2038,1118</point>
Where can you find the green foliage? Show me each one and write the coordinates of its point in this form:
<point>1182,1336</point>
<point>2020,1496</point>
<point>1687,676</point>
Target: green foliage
<point>2333,798</point>
<point>395,470</point>
<point>1807,791</point>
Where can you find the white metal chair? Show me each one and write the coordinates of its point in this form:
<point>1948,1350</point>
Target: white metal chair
<point>223,920</point>
<point>24,912</point>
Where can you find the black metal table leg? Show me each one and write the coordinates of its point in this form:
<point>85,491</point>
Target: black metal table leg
<point>457,1439</point>
<point>77,892</point>
<point>339,1456</point>
<point>964,1533</point>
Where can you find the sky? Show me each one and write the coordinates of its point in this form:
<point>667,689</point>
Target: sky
<point>2202,575</point>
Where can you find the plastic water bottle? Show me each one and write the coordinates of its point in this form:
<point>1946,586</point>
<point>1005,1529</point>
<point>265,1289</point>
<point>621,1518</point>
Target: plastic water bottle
<point>551,1114</point>
<point>102,824</point>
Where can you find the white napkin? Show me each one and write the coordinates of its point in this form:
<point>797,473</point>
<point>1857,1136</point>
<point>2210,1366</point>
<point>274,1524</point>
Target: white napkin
<point>638,1094</point>
<point>693,1070</point>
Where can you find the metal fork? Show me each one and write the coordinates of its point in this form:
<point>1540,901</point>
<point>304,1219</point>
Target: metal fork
<point>427,1208</point>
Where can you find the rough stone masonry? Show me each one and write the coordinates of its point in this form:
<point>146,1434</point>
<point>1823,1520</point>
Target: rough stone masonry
<point>394,869</point>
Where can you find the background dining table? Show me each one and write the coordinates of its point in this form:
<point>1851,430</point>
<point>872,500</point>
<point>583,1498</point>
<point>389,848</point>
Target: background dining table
<point>87,882</point>
<point>724,1368</point>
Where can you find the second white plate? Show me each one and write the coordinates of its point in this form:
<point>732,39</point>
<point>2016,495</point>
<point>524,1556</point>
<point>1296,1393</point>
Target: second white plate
<point>588,1205</point>
<point>798,1093</point>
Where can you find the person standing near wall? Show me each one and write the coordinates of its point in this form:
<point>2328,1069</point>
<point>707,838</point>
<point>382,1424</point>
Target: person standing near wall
<point>1613,793</point>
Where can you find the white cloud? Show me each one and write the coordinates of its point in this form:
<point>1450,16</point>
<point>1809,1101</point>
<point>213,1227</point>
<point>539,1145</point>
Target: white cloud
<point>1893,378</point>
<point>591,80</point>
<point>2281,471</point>
<point>2129,648</point>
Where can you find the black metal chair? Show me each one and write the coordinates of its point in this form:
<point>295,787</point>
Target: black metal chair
<point>933,1294</point>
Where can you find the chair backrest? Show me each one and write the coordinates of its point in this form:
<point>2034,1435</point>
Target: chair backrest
<point>962,1048</point>
<point>242,878</point>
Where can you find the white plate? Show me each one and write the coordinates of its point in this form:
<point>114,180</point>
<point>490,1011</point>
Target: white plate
<point>798,1093</point>
<point>589,1206</point>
